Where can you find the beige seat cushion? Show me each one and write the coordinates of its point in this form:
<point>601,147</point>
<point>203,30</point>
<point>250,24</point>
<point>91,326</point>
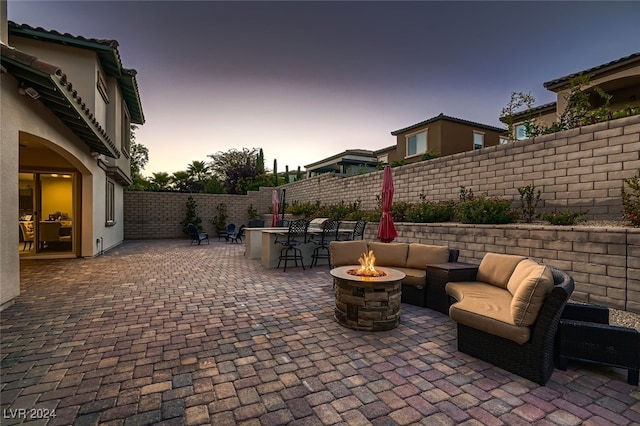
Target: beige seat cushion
<point>421,255</point>
<point>496,269</point>
<point>529,284</point>
<point>389,254</point>
<point>485,307</point>
<point>414,277</point>
<point>344,253</point>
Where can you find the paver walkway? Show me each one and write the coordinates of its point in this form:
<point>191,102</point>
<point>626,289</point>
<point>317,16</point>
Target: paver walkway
<point>160,332</point>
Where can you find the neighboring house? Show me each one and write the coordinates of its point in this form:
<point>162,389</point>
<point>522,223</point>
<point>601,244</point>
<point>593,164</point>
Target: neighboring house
<point>348,163</point>
<point>442,135</point>
<point>619,78</point>
<point>67,107</point>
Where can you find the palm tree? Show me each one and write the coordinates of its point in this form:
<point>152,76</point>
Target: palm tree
<point>160,181</point>
<point>199,174</point>
<point>181,181</point>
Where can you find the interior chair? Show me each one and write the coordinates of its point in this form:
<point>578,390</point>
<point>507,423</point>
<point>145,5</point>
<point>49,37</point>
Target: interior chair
<point>49,233</point>
<point>236,237</point>
<point>195,235</point>
<point>282,223</point>
<point>256,223</point>
<point>231,228</point>
<point>329,232</point>
<point>26,234</point>
<point>296,235</point>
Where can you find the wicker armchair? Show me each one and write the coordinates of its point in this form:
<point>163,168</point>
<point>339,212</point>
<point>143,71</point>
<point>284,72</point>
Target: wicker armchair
<point>533,360</point>
<point>585,334</point>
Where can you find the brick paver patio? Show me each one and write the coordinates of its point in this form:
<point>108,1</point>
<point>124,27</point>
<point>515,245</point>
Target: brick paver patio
<point>160,332</point>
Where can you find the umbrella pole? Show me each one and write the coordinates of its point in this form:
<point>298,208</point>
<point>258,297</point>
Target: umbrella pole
<point>284,195</point>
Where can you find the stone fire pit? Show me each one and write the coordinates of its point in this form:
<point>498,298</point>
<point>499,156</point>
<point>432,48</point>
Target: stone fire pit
<point>367,303</point>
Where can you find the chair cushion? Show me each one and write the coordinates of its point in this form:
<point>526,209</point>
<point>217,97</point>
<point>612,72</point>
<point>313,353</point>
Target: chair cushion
<point>344,253</point>
<point>421,255</point>
<point>389,254</point>
<point>485,307</point>
<point>529,284</point>
<point>496,269</point>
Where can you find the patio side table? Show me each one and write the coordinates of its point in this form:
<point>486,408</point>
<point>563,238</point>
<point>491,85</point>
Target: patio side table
<point>584,334</point>
<point>438,275</point>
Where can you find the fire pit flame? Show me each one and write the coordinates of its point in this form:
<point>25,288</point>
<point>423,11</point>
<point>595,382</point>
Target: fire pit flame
<point>367,267</point>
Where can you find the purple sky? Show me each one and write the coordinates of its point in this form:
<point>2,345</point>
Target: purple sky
<point>306,80</point>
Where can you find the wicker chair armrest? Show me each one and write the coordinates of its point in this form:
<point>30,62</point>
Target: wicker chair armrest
<point>588,313</point>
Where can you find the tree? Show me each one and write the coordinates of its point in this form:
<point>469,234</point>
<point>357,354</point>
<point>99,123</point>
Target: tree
<point>199,174</point>
<point>517,101</point>
<point>160,181</point>
<point>139,158</point>
<point>275,172</point>
<point>236,169</point>
<point>260,163</point>
<point>181,181</point>
<point>139,153</point>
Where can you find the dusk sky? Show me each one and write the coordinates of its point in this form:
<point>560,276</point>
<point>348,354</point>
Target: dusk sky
<point>307,80</point>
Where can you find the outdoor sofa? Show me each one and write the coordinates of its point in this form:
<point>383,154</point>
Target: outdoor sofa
<point>509,315</point>
<point>410,258</point>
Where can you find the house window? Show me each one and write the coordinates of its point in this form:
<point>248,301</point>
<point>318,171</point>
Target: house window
<point>521,132</point>
<point>384,159</point>
<point>110,213</point>
<point>478,140</point>
<point>102,87</point>
<point>126,132</point>
<point>504,140</point>
<point>417,144</point>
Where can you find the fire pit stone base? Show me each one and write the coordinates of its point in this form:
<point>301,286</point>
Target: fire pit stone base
<point>368,305</point>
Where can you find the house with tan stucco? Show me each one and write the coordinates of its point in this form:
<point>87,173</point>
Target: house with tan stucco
<point>67,104</point>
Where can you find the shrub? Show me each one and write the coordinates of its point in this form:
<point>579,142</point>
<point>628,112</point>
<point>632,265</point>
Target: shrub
<point>400,210</point>
<point>427,212</point>
<point>482,209</point>
<point>565,217</point>
<point>191,216</point>
<point>529,199</point>
<point>429,155</point>
<point>219,221</point>
<point>631,200</point>
<point>306,209</point>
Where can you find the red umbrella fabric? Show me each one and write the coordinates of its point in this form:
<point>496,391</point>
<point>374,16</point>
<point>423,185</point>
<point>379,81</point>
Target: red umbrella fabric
<point>386,229</point>
<point>275,202</point>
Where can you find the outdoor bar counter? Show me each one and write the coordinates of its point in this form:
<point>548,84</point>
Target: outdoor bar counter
<point>253,241</point>
<point>270,253</point>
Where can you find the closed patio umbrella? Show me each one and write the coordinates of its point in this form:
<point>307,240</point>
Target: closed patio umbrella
<point>275,203</point>
<point>386,229</point>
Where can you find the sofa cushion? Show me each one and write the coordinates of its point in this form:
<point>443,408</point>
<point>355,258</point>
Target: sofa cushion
<point>389,254</point>
<point>413,277</point>
<point>529,284</point>
<point>496,269</point>
<point>485,307</point>
<point>421,255</point>
<point>344,253</point>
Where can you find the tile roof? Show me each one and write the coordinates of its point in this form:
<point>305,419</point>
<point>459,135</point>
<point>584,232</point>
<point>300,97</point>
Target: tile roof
<point>534,110</point>
<point>559,82</point>
<point>58,94</point>
<point>448,118</point>
<point>108,54</point>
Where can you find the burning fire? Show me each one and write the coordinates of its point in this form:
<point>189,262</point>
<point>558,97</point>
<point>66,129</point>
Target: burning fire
<point>367,267</point>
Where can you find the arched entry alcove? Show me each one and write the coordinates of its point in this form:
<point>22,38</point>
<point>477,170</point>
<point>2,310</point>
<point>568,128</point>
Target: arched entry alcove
<point>55,207</point>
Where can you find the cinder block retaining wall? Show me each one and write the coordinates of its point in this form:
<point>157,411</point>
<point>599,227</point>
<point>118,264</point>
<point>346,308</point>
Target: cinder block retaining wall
<point>580,169</point>
<point>604,262</point>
